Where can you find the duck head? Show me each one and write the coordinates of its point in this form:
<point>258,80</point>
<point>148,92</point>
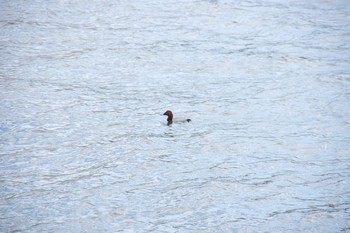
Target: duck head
<point>170,116</point>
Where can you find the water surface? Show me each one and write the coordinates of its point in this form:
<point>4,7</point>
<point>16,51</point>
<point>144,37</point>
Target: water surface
<point>84,146</point>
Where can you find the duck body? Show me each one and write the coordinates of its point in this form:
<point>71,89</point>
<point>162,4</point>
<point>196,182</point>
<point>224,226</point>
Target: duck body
<point>171,118</point>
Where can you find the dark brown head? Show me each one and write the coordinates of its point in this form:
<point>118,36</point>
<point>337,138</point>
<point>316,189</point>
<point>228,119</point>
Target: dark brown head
<point>170,116</point>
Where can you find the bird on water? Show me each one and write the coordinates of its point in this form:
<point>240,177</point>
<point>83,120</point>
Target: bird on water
<point>171,118</point>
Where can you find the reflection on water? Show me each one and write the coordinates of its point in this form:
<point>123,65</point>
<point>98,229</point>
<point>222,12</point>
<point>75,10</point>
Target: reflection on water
<point>85,147</point>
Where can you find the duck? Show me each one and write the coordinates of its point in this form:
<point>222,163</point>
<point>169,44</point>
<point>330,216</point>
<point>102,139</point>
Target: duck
<point>171,120</point>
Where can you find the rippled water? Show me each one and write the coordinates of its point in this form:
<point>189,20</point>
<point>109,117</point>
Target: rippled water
<point>85,147</point>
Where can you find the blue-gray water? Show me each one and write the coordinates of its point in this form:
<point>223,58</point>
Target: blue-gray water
<point>85,147</point>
